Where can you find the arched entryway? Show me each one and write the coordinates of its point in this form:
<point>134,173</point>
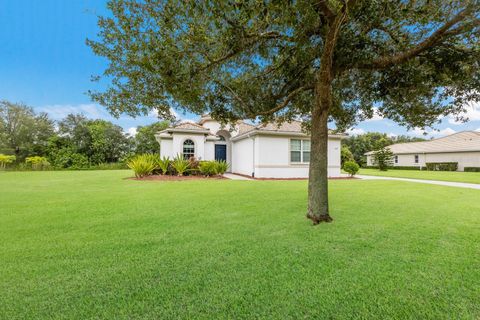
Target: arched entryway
<point>223,147</point>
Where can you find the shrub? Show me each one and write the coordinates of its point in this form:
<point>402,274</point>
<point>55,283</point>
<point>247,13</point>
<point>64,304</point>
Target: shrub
<point>208,168</point>
<point>37,163</point>
<point>193,165</point>
<point>6,160</point>
<point>471,169</point>
<point>180,165</point>
<point>383,158</point>
<point>66,158</point>
<point>221,166</point>
<point>442,166</point>
<point>164,164</point>
<point>142,165</point>
<point>351,167</point>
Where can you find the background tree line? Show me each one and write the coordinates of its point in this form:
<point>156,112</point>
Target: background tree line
<point>73,142</point>
<point>355,147</point>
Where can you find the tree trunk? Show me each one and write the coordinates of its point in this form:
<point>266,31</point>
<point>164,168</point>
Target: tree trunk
<point>318,172</point>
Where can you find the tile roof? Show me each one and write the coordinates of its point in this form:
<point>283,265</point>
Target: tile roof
<point>189,126</point>
<point>458,142</point>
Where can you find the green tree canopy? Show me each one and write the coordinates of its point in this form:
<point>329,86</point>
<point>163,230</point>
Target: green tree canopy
<point>22,132</point>
<point>145,141</point>
<point>320,60</point>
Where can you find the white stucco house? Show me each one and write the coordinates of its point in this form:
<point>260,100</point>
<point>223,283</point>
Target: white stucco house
<point>261,151</point>
<point>462,147</point>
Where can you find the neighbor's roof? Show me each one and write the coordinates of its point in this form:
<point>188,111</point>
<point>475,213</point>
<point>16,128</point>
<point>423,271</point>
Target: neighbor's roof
<point>465,141</point>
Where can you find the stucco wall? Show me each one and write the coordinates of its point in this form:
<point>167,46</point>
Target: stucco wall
<point>464,159</point>
<point>273,158</point>
<point>242,156</point>
<point>209,150</point>
<point>166,148</point>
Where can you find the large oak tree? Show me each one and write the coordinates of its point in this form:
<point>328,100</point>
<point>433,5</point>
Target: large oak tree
<point>320,60</point>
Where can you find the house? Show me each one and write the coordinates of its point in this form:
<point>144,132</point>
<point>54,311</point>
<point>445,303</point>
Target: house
<point>462,147</point>
<point>262,151</point>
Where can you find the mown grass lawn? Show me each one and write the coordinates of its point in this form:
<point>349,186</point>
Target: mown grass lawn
<point>468,177</point>
<point>80,245</point>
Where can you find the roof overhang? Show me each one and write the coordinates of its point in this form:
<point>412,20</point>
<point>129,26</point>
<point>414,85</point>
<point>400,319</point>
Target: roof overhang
<point>257,131</point>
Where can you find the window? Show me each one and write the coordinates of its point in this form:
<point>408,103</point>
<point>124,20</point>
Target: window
<point>188,149</point>
<point>396,159</point>
<point>299,151</point>
<point>416,158</point>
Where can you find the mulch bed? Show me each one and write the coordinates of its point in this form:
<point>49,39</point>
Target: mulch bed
<point>176,178</point>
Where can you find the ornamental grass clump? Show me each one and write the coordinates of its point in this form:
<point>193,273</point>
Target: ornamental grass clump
<point>180,165</point>
<point>221,167</point>
<point>208,168</point>
<point>164,164</point>
<point>143,165</point>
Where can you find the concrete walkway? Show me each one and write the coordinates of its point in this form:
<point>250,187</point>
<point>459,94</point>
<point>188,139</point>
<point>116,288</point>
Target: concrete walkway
<point>236,177</point>
<point>440,183</point>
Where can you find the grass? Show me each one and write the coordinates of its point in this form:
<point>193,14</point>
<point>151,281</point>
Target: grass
<point>78,245</point>
<point>468,177</point>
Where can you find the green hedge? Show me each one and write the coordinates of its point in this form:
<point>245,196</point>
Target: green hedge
<point>471,169</point>
<point>399,168</point>
<point>442,166</point>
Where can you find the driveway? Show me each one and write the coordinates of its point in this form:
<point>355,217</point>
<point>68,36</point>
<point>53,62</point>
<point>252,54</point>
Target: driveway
<point>440,183</point>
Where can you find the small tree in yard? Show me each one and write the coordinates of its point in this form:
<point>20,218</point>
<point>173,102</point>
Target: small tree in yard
<point>351,167</point>
<point>383,158</point>
<point>319,60</point>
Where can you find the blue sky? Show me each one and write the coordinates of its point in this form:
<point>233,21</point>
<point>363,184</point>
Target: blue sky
<point>45,63</point>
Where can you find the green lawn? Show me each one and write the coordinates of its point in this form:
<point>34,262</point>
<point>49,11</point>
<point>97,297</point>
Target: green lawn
<point>78,245</point>
<point>468,177</point>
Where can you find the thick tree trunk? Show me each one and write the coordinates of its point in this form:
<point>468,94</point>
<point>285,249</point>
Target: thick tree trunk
<point>318,210</point>
<point>318,171</point>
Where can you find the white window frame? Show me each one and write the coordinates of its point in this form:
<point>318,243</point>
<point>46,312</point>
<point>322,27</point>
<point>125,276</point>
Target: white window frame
<point>301,151</point>
<point>183,149</point>
<point>396,159</point>
<point>416,158</point>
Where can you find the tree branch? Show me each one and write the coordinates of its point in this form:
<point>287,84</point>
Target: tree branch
<point>287,100</point>
<point>436,37</point>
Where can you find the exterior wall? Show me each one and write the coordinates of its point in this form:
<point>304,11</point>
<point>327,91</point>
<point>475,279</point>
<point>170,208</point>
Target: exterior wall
<point>209,150</point>
<point>242,159</point>
<point>273,159</point>
<point>166,148</point>
<point>172,147</point>
<point>464,159</point>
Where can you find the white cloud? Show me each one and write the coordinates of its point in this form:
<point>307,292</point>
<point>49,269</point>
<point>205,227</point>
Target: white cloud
<point>392,135</point>
<point>472,113</point>
<point>376,116</point>
<point>60,111</point>
<point>132,131</point>
<point>355,131</point>
<point>431,133</point>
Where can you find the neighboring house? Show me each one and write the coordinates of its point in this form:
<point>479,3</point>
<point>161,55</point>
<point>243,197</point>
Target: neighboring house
<point>262,151</point>
<point>462,147</point>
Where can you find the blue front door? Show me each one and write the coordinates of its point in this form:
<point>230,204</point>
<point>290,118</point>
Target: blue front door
<point>220,152</point>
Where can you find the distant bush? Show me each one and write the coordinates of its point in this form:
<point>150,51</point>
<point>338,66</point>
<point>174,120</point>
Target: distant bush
<point>351,167</point>
<point>142,165</point>
<point>37,163</point>
<point>208,168</point>
<point>180,165</point>
<point>68,159</point>
<point>221,166</point>
<point>6,160</point>
<point>442,166</point>
<point>471,169</point>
